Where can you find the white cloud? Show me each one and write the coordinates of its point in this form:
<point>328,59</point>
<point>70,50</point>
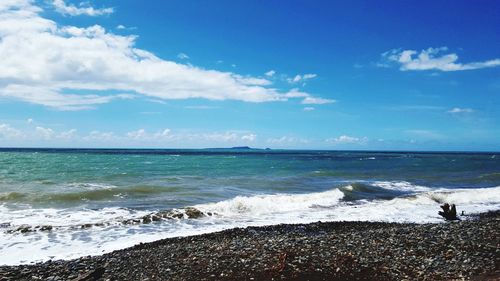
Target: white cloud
<point>231,137</point>
<point>72,68</point>
<point>431,59</point>
<point>309,108</point>
<point>457,110</point>
<point>83,9</point>
<point>344,139</point>
<point>249,137</point>
<point>67,135</point>
<point>7,132</point>
<point>123,27</point>
<point>139,134</point>
<point>30,121</point>
<point>139,138</point>
<point>301,78</point>
<point>142,135</point>
<point>270,73</point>
<point>97,136</point>
<point>164,133</point>
<point>308,99</point>
<point>44,133</point>
<point>287,140</point>
<point>308,76</point>
<point>252,80</point>
<point>182,56</point>
<point>313,100</point>
<point>49,96</point>
<point>296,93</point>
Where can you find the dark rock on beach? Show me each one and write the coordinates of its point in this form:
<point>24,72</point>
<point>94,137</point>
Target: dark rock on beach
<point>458,250</point>
<point>184,213</point>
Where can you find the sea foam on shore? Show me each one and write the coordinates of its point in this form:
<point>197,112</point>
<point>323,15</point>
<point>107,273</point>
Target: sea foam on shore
<point>83,232</point>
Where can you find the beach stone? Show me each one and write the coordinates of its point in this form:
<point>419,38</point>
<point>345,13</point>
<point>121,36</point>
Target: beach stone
<point>46,228</point>
<point>193,213</point>
<point>146,219</point>
<point>326,251</point>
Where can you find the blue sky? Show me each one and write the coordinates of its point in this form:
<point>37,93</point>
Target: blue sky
<point>405,75</point>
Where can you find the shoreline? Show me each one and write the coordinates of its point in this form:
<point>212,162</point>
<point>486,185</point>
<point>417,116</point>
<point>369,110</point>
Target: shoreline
<point>468,249</point>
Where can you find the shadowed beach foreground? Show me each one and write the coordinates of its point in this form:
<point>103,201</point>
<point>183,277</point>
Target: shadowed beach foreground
<point>468,249</point>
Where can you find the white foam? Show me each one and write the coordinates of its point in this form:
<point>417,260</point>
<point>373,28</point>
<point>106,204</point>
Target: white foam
<point>400,186</point>
<point>423,207</point>
<point>89,186</point>
<point>65,217</point>
<point>275,203</point>
<point>240,211</point>
<point>33,247</point>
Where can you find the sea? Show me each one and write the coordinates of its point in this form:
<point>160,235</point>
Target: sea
<point>68,203</point>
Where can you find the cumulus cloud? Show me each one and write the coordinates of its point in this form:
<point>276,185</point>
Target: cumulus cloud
<point>30,121</point>
<point>67,135</point>
<point>44,133</point>
<point>9,133</point>
<point>83,9</point>
<point>139,134</point>
<point>74,68</point>
<point>431,59</point>
<point>39,133</point>
<point>458,110</point>
<point>345,139</point>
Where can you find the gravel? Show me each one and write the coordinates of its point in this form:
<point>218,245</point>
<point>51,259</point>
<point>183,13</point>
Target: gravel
<point>462,250</point>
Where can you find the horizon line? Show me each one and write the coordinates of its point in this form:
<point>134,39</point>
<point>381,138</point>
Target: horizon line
<point>245,148</point>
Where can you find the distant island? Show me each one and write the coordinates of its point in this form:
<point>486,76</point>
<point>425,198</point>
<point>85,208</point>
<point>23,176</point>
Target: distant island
<point>237,148</point>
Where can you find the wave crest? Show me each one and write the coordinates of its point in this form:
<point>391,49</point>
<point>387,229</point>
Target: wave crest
<point>273,203</point>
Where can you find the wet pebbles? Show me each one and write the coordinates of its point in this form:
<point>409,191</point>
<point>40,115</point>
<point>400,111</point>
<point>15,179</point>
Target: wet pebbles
<point>318,251</point>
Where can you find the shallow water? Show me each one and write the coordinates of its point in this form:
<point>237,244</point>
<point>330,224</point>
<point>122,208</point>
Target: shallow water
<point>69,188</point>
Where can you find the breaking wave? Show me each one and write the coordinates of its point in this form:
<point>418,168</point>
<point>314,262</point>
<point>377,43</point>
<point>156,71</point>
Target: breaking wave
<point>275,203</point>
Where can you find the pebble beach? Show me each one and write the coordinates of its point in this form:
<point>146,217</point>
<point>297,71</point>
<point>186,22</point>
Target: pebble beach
<point>463,250</point>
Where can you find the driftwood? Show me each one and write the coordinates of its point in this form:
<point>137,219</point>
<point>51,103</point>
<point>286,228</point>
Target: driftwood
<point>448,213</point>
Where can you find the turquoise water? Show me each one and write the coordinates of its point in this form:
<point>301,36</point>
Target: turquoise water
<point>242,187</point>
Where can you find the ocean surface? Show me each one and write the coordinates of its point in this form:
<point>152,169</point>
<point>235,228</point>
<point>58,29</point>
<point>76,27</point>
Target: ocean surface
<point>69,190</point>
